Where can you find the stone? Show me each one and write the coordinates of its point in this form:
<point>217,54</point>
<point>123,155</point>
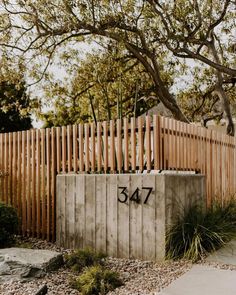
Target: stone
<point>25,264</point>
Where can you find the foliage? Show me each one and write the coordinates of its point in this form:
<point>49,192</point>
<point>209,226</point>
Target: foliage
<point>14,107</point>
<point>96,280</point>
<point>8,224</point>
<point>161,36</point>
<point>107,85</point>
<point>199,231</point>
<point>83,258</point>
<point>199,100</point>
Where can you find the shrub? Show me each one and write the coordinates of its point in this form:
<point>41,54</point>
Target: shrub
<point>82,258</point>
<point>8,224</point>
<point>96,280</point>
<point>200,231</point>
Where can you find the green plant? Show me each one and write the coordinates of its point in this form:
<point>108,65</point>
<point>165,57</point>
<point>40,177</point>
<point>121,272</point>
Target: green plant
<point>8,224</point>
<point>200,231</point>
<point>96,280</point>
<point>82,258</point>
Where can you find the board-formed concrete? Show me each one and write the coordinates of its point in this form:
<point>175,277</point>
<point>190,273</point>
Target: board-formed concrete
<point>203,280</point>
<point>123,215</point>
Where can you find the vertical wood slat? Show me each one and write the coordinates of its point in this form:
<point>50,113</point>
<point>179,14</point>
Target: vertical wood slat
<point>48,181</point>
<point>126,145</point>
<point>181,146</point>
<point>156,141</point>
<point>119,145</point>
<point>86,147</point>
<point>75,148</point>
<point>99,147</point>
<point>175,144</point>
<point>10,168</point>
<point>6,167</point>
<point>165,143</point>
<point>58,148</point>
<point>33,186</point>
<point>14,169</point>
<point>43,195</point>
<point>178,145</point>
<point>148,143</point>
<point>133,144</point>
<point>140,144</point>
<point>112,146</point>
<point>63,149</point>
<point>170,143</point>
<point>53,184</point>
<point>2,166</point>
<point>28,180</point>
<point>185,144</point>
<point>38,190</point>
<point>81,148</point>
<point>69,148</point>
<point>19,173</point>
<point>23,179</point>
<point>93,147</point>
<point>162,147</point>
<point>105,146</point>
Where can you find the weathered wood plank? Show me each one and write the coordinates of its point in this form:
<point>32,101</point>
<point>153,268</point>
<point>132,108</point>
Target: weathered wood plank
<point>136,217</point>
<point>70,211</point>
<point>80,216</point>
<point>111,215</point>
<point>90,211</point>
<point>123,217</point>
<point>100,222</point>
<point>149,217</point>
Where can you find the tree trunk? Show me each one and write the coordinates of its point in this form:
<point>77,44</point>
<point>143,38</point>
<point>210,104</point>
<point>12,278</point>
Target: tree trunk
<point>150,64</point>
<point>226,107</point>
<point>221,92</point>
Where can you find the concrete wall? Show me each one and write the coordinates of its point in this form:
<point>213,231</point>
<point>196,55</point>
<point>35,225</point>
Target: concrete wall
<point>92,211</point>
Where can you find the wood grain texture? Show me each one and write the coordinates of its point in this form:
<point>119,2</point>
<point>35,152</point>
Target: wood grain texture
<point>32,159</point>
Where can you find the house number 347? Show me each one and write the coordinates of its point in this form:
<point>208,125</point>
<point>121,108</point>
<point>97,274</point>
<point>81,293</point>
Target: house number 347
<point>136,195</point>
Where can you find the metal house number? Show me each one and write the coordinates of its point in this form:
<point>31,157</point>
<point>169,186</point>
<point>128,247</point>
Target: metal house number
<point>136,195</point>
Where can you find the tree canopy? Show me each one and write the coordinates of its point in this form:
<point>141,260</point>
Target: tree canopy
<point>153,33</point>
<point>107,85</point>
<point>14,107</point>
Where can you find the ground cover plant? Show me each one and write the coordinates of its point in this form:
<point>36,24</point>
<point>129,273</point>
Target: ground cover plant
<point>93,277</point>
<point>81,258</point>
<point>96,280</point>
<point>8,225</point>
<point>198,231</point>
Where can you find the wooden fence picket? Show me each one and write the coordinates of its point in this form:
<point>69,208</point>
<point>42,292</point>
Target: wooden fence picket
<point>32,159</point>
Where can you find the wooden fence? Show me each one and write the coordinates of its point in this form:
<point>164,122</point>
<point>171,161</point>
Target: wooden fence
<point>33,158</point>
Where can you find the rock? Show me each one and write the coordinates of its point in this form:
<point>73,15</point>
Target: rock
<point>43,290</point>
<point>25,264</point>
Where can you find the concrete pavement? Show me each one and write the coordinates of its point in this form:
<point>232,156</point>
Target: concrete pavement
<point>208,280</point>
<point>203,280</point>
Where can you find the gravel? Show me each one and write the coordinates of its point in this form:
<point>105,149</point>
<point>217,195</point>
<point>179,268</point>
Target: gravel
<point>139,277</point>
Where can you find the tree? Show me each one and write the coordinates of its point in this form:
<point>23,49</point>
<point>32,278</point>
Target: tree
<point>107,85</point>
<point>202,31</point>
<point>200,102</point>
<point>151,32</point>
<point>14,107</point>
